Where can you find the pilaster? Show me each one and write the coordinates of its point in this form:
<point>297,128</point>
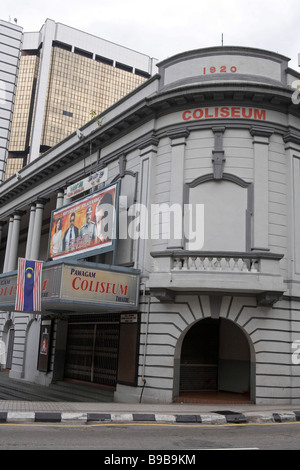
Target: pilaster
<point>178,143</point>
<point>261,188</point>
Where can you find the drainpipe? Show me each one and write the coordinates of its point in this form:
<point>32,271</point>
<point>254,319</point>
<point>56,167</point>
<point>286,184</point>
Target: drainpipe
<point>145,348</point>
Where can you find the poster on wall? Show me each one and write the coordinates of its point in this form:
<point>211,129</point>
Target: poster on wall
<point>44,345</point>
<point>85,227</point>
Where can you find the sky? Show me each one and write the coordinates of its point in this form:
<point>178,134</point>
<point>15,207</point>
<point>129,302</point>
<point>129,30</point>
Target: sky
<point>163,28</point>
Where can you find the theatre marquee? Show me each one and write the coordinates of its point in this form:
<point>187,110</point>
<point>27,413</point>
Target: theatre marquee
<point>79,287</point>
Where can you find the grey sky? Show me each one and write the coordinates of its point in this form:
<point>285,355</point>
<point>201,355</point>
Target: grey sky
<point>162,28</point>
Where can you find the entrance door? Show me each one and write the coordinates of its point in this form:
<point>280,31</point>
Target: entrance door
<point>92,351</point>
<point>199,357</point>
<point>215,356</point>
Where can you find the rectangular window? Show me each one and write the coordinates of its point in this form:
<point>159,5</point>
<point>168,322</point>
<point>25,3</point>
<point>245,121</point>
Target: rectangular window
<point>67,113</point>
<point>125,67</point>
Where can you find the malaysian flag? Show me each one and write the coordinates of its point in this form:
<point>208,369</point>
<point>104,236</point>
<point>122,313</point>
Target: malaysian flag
<point>29,286</point>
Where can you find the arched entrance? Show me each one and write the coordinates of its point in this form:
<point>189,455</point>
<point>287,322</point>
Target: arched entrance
<point>215,363</point>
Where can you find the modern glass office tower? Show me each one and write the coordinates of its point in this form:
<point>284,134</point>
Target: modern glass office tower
<point>66,77</point>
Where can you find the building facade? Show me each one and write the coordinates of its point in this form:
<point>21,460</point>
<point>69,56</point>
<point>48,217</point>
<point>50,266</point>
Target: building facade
<point>11,36</point>
<point>203,162</point>
<point>65,78</point>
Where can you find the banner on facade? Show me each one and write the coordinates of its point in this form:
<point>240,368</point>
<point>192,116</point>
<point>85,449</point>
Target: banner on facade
<point>87,183</point>
<point>29,286</point>
<point>87,225</point>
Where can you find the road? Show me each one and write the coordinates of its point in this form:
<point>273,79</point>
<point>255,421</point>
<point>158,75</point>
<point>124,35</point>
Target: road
<point>149,436</point>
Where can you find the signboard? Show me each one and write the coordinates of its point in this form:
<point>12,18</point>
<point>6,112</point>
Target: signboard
<point>80,287</point>
<point>86,226</point>
<point>96,286</point>
<point>87,183</point>
<point>228,112</point>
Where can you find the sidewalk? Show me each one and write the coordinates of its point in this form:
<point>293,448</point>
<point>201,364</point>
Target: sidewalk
<point>13,411</point>
<point>29,403</point>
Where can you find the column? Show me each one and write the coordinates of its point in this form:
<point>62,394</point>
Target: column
<point>60,199</point>
<point>30,232</point>
<point>261,188</point>
<point>8,242</point>
<point>14,244</point>
<point>36,236</point>
<point>178,143</point>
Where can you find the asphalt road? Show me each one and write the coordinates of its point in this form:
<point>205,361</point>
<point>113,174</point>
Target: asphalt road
<point>148,436</point>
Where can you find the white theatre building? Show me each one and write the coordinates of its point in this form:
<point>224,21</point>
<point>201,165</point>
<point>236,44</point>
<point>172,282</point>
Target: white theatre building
<point>197,291</point>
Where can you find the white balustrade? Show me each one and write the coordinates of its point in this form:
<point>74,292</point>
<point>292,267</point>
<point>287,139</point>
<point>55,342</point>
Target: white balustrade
<point>213,263</point>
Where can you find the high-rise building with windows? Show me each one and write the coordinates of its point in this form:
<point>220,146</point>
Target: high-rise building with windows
<point>66,77</point>
<point>10,45</point>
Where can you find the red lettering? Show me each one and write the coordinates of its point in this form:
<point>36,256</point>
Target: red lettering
<point>235,112</point>
<point>114,289</point>
<point>74,281</point>
<point>198,114</point>
<point>102,288</point>
<point>186,116</point>
<point>245,114</point>
<point>84,285</point>
<point>123,290</point>
<point>260,114</point>
<point>207,115</point>
<point>225,112</point>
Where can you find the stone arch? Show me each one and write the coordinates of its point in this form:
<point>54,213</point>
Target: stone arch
<point>229,353</point>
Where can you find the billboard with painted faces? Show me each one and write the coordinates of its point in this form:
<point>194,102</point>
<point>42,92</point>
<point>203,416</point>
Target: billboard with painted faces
<point>85,227</point>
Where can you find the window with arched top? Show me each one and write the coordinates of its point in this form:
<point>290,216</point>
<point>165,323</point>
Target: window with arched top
<point>227,211</point>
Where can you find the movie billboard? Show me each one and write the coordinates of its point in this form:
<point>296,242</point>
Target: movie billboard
<point>85,227</point>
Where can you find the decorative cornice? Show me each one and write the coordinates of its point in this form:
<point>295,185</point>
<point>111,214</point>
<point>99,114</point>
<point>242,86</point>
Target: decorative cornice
<point>291,137</point>
<point>261,131</point>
